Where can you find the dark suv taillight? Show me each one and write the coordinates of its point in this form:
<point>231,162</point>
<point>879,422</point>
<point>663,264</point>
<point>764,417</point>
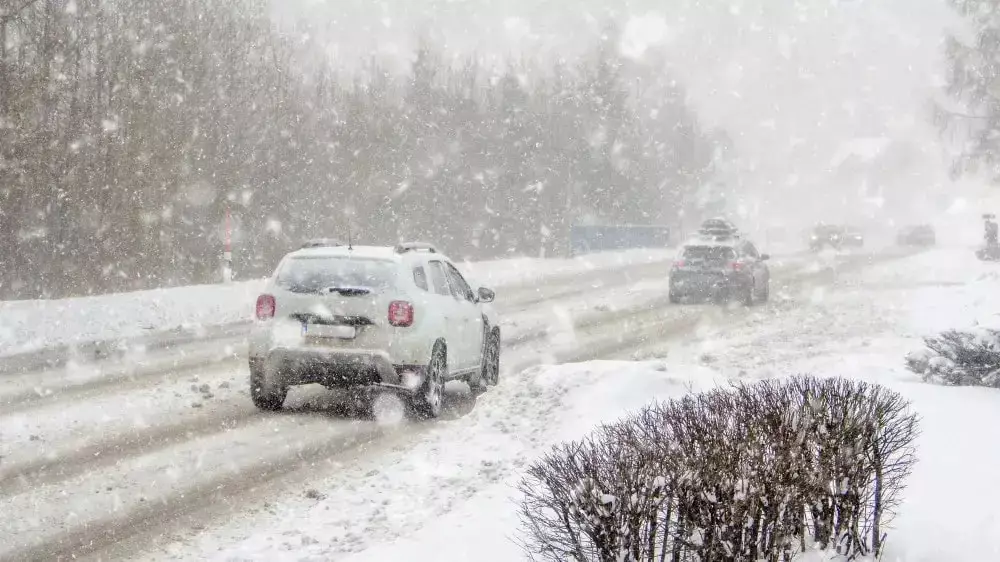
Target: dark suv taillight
<point>400,314</point>
<point>266,307</point>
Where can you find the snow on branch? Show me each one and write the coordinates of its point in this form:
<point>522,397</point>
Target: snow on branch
<point>959,358</point>
<point>754,472</point>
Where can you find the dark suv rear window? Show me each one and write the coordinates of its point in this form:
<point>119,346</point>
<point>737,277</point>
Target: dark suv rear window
<point>315,274</point>
<point>709,253</point>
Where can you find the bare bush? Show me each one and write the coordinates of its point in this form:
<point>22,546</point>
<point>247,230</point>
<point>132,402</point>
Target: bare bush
<point>600,499</point>
<point>753,472</point>
<point>960,358</point>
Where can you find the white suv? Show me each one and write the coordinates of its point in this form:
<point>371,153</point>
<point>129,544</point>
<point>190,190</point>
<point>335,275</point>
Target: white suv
<point>399,317</point>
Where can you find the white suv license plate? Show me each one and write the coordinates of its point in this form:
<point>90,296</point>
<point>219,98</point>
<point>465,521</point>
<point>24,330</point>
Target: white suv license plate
<point>320,331</point>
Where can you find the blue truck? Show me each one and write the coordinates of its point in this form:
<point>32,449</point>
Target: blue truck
<point>590,239</point>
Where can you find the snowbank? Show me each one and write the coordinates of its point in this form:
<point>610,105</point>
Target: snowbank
<point>517,271</point>
<point>31,325</point>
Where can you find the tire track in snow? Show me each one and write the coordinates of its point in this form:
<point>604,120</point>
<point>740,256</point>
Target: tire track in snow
<point>127,498</point>
<point>141,494</point>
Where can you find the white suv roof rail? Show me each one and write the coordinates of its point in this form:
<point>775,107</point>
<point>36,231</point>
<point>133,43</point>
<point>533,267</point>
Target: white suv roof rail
<point>321,243</point>
<point>404,247</point>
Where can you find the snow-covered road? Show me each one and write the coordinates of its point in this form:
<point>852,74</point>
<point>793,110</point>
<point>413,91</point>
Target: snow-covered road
<point>177,461</point>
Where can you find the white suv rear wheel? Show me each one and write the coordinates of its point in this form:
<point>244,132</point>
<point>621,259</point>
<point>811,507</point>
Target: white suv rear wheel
<point>267,394</point>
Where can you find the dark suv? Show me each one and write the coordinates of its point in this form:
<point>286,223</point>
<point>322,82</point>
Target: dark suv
<point>836,237</point>
<point>720,269</point>
<point>917,235</point>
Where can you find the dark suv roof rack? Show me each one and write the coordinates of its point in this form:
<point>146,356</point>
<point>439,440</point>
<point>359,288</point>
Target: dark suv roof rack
<point>404,247</point>
<point>718,233</point>
<point>322,243</point>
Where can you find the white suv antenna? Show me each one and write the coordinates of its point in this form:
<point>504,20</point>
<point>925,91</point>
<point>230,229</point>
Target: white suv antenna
<point>350,242</point>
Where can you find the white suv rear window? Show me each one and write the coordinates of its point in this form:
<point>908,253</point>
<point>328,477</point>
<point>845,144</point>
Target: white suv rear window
<point>315,274</point>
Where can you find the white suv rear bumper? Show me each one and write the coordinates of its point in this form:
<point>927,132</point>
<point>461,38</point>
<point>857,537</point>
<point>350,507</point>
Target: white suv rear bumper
<point>334,367</point>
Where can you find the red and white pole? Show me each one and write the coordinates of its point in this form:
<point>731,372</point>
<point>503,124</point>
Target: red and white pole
<point>227,255</point>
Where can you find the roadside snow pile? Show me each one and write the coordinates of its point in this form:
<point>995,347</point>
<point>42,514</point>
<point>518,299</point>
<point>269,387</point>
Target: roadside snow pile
<point>753,472</point>
<point>524,270</point>
<point>29,325</point>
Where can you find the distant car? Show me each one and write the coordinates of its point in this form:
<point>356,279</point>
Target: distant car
<point>396,317</point>
<point>720,268</point>
<point>834,236</point>
<point>917,235</point>
<point>825,235</point>
<point>853,238</point>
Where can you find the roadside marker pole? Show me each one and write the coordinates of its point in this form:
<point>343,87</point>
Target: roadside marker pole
<point>227,255</point>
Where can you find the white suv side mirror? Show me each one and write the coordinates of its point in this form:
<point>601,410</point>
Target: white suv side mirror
<point>486,295</point>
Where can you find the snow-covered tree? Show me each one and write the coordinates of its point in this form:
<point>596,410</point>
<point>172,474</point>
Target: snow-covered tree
<point>130,130</point>
<point>960,358</point>
<point>973,81</point>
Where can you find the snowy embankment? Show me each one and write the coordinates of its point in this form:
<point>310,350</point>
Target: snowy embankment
<point>31,325</point>
<point>861,328</point>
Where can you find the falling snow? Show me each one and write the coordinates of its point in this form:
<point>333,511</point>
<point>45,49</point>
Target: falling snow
<point>159,159</point>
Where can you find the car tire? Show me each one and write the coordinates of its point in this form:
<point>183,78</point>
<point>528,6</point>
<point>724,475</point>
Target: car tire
<point>766,294</point>
<point>748,296</point>
<point>265,394</point>
<point>428,400</point>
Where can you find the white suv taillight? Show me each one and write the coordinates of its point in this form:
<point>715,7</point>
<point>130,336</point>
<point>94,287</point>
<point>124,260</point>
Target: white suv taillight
<point>400,314</point>
<point>265,307</point>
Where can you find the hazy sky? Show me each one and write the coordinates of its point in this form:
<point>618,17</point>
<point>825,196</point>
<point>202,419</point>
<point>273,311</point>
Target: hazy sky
<point>790,79</point>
